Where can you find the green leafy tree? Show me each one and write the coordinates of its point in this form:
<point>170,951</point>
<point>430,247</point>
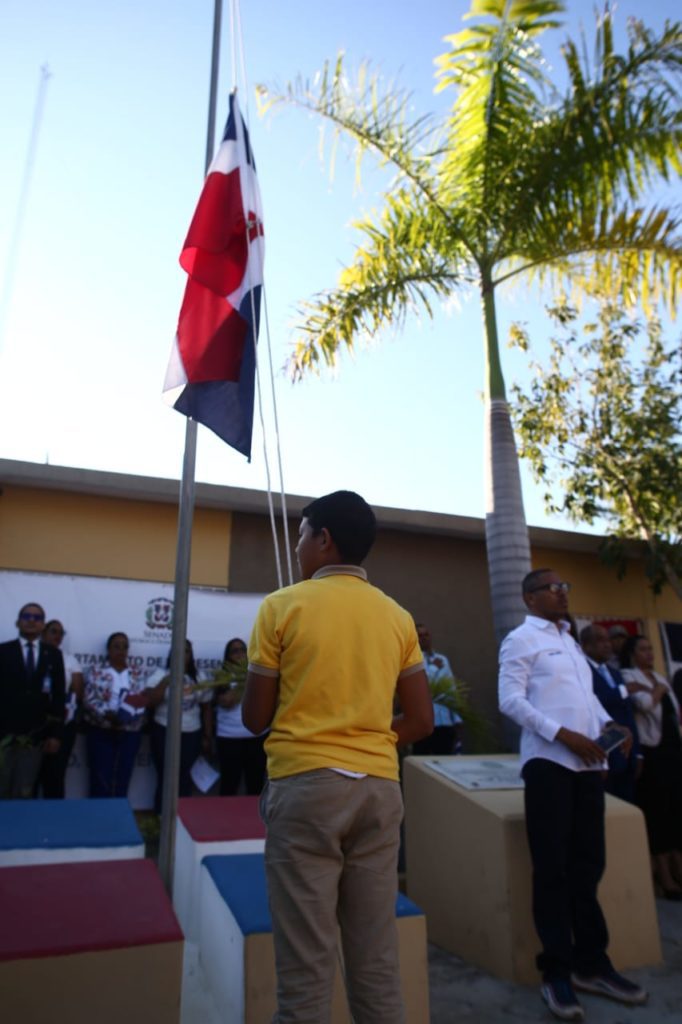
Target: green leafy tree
<point>520,181</point>
<point>603,429</point>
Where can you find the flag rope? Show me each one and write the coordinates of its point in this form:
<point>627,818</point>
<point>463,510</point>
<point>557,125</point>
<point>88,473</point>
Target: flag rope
<point>238,37</point>
<point>285,518</point>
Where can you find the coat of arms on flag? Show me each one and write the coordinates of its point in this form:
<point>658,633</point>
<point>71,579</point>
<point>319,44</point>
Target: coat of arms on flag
<point>211,370</point>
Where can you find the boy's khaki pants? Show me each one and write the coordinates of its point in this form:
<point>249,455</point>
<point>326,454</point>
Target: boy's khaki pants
<point>331,861</point>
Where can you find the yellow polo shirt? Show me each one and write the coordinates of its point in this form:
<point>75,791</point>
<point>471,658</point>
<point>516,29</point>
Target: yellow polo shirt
<point>339,646</point>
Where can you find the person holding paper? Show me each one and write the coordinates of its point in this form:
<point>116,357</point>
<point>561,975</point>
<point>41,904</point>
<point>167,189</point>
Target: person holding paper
<point>114,704</point>
<point>196,724</point>
<point>241,754</point>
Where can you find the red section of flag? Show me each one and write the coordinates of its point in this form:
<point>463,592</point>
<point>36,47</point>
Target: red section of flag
<point>215,250</point>
<point>211,335</point>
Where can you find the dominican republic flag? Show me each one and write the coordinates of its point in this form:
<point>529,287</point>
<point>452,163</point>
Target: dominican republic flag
<point>211,371</point>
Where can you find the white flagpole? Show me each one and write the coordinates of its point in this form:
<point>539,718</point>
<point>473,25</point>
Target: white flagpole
<point>171,763</point>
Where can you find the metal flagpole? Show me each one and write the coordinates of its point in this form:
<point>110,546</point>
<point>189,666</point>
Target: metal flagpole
<point>171,762</point>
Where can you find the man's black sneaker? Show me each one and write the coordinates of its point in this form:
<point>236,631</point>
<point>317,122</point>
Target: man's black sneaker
<point>562,1000</point>
<point>612,984</point>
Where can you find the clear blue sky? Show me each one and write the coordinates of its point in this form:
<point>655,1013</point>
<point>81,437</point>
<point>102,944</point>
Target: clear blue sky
<point>97,285</point>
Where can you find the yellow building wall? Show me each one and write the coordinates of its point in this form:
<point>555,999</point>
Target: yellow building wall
<point>597,592</point>
<point>81,534</point>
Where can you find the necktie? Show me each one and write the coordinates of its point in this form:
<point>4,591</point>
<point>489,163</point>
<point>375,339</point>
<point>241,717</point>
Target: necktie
<point>30,660</point>
<point>604,672</point>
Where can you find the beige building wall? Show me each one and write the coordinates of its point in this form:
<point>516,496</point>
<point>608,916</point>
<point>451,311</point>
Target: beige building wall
<point>82,534</point>
<point>443,580</point>
<point>54,519</point>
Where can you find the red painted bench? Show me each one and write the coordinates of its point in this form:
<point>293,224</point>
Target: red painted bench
<point>89,941</point>
<point>208,826</point>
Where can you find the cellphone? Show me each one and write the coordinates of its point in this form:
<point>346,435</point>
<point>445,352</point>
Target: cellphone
<point>610,739</point>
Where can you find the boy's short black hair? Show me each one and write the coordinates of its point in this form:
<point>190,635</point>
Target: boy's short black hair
<point>350,521</point>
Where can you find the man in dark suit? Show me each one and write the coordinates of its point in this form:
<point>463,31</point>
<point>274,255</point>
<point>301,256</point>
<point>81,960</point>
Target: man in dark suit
<point>610,691</point>
<point>31,704</point>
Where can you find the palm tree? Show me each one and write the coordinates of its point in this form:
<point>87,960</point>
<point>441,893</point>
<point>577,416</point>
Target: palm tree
<point>520,180</point>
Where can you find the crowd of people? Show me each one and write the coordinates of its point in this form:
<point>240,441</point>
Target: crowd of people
<point>46,698</point>
<point>113,703</point>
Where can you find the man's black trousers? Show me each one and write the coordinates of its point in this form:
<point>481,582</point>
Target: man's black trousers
<point>565,826</point>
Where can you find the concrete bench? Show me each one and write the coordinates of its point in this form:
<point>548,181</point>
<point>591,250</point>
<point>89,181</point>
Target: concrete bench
<point>237,955</point>
<point>89,941</point>
<point>59,831</point>
<point>207,826</point>
<point>469,866</point>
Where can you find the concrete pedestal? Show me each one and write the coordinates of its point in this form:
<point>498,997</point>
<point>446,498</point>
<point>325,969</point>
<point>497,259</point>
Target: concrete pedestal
<point>468,867</point>
<point>209,826</point>
<point>90,941</point>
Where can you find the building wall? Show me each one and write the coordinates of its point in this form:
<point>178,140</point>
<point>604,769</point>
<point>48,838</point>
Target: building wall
<point>443,581</point>
<point>439,577</point>
<point>81,534</point>
<point>252,556</point>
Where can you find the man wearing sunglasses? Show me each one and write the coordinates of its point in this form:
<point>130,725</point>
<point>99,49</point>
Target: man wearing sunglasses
<point>31,704</point>
<point>546,688</point>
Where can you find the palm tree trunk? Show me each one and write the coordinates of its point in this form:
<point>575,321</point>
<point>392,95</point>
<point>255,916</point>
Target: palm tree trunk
<point>506,533</point>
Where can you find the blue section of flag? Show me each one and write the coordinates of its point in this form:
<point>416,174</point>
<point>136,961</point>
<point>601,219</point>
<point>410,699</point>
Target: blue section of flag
<point>226,407</point>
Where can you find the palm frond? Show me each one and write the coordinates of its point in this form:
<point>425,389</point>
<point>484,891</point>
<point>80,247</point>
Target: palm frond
<point>624,126</point>
<point>610,136</point>
<point>373,114</point>
<point>497,69</point>
<point>408,259</point>
<point>633,253</point>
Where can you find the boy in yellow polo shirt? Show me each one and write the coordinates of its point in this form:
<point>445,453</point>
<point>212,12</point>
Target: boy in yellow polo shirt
<point>326,658</point>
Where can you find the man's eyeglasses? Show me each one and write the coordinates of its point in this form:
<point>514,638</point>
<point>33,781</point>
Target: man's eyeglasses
<point>32,616</point>
<point>554,588</point>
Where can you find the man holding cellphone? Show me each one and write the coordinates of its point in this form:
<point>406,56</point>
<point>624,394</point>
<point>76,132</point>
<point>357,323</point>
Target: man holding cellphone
<point>545,686</point>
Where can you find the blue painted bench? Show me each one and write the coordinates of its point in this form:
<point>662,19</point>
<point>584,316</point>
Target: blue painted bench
<point>60,831</point>
<point>236,950</point>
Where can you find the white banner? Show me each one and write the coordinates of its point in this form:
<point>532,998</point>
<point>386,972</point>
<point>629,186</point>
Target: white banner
<point>90,609</point>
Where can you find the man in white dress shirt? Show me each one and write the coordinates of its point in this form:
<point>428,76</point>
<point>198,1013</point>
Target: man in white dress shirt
<point>546,688</point>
